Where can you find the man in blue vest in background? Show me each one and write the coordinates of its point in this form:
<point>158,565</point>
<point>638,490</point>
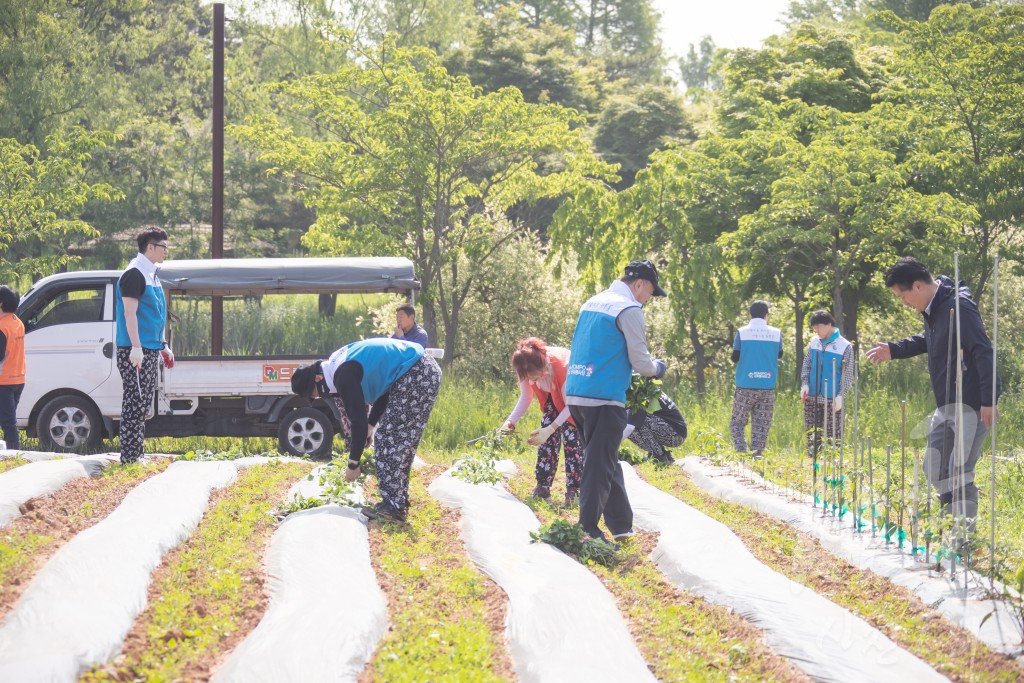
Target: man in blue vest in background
<point>756,351</point>
<point>826,377</point>
<point>610,342</point>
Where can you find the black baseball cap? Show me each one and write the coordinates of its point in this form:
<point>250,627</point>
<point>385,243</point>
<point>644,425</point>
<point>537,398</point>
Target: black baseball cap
<point>645,270</point>
<point>304,379</point>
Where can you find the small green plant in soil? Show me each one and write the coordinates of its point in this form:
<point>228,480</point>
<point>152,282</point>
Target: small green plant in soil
<point>478,464</point>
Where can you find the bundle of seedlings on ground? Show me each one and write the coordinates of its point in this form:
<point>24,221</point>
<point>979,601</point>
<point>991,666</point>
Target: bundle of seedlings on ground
<point>208,593</point>
<point>572,540</point>
<point>447,620</point>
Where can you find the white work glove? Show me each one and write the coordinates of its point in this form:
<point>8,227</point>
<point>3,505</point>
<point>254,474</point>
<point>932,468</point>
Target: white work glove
<point>804,391</point>
<point>507,427</point>
<point>135,357</point>
<point>539,436</point>
<point>168,356</point>
<point>837,403</point>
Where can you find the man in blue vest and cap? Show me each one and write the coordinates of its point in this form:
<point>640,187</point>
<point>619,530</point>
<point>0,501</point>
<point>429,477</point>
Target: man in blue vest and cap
<point>756,351</point>
<point>609,344</point>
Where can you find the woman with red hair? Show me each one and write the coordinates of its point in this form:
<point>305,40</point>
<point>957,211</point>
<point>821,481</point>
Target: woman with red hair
<point>541,370</point>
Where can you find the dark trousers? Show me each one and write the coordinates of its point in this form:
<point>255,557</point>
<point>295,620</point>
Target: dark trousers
<point>10,394</point>
<point>603,489</point>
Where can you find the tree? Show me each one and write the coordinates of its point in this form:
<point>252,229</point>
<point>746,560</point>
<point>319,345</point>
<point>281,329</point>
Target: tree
<point>413,160</point>
<point>40,201</point>
<point>634,125</point>
<point>965,101</point>
<point>696,69</point>
<point>542,61</point>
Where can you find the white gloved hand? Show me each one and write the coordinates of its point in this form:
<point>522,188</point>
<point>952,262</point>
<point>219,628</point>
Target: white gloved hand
<point>507,427</point>
<point>837,403</point>
<point>168,356</point>
<point>135,357</point>
<point>539,436</point>
<point>804,391</point>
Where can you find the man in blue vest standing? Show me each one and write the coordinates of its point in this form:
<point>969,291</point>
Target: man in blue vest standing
<point>610,343</point>
<point>756,351</point>
<point>140,313</point>
<point>826,376</point>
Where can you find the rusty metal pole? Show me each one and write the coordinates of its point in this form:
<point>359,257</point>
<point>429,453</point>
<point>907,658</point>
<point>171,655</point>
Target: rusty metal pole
<point>217,238</point>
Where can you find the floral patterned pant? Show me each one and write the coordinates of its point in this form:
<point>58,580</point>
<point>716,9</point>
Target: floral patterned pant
<point>138,387</point>
<point>547,452</point>
<point>410,401</point>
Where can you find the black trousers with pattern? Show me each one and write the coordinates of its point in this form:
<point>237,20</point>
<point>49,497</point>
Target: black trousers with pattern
<point>138,387</point>
<point>410,401</point>
<point>547,452</point>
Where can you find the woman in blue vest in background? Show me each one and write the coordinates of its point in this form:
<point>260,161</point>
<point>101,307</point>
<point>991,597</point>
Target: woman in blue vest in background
<point>826,376</point>
<point>401,383</point>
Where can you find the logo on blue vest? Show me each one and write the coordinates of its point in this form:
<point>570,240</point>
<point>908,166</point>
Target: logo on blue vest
<point>581,370</point>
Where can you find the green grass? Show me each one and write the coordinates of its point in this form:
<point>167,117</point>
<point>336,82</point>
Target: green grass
<point>204,593</point>
<point>437,606</point>
<point>10,463</point>
<point>274,324</point>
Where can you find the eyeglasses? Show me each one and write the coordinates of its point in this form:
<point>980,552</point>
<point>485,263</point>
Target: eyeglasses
<point>164,245</point>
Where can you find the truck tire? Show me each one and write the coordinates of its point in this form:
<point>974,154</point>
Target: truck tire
<point>306,431</point>
<point>69,424</point>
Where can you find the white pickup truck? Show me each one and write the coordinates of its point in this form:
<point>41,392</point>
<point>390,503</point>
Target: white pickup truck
<point>72,396</point>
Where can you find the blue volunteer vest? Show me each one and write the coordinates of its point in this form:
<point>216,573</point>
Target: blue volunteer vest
<point>384,361</point>
<point>827,365</point>
<point>759,346</point>
<point>598,360</point>
<point>151,316</point>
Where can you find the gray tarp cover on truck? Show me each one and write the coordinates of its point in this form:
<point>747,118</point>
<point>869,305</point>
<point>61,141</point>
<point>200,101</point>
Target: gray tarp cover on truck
<point>251,276</point>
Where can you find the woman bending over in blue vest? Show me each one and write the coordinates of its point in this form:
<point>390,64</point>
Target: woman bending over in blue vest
<point>401,383</point>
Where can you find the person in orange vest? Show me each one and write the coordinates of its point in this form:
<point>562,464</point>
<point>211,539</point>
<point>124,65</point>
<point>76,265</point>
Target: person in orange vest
<point>12,365</point>
<point>541,370</point>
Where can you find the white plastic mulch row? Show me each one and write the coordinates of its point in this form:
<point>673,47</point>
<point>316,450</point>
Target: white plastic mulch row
<point>43,478</point>
<point>326,612</point>
<point>82,603</point>
<point>826,641</point>
<point>991,621</point>
<point>562,623</point>
<point>36,456</point>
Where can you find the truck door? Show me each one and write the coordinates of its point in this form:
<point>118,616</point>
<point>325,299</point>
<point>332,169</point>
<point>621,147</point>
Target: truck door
<point>69,341</point>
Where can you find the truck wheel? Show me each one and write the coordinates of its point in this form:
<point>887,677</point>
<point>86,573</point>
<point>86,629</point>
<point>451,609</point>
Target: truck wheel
<point>306,431</point>
<point>69,424</point>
